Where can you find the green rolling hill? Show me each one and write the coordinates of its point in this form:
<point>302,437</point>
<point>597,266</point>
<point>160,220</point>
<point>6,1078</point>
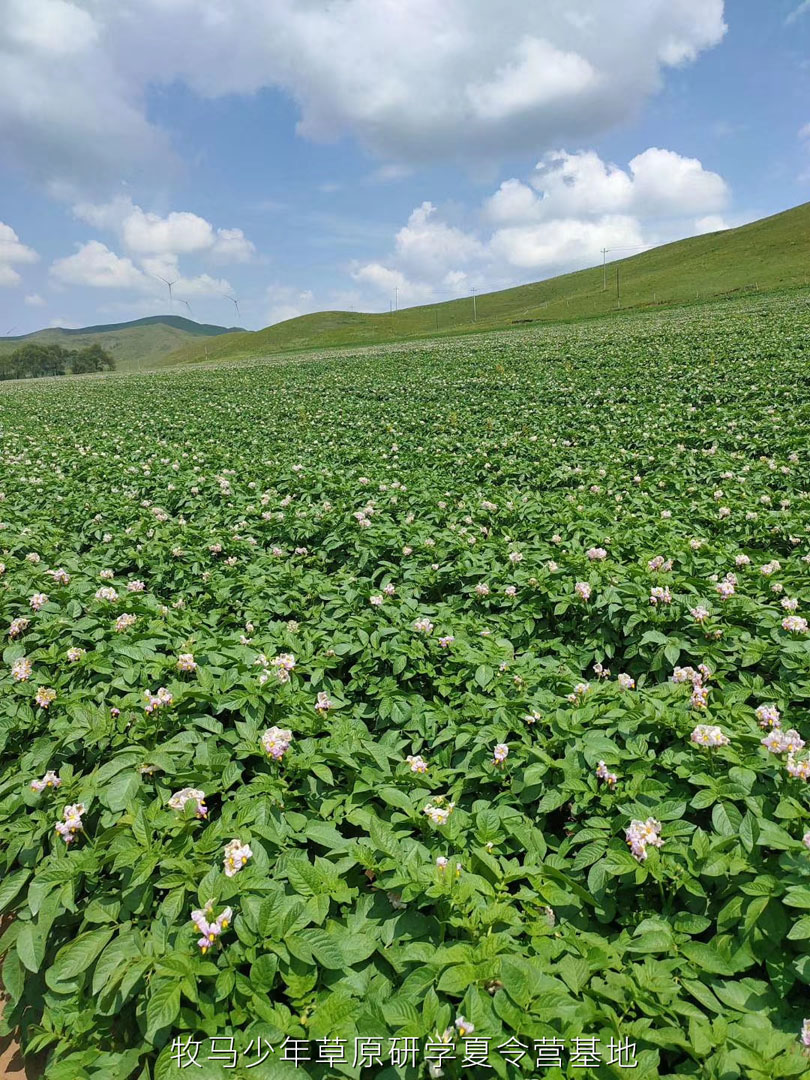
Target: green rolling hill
<point>772,253</point>
<point>141,343</point>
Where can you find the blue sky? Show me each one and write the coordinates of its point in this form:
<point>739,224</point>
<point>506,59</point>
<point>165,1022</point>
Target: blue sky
<point>303,154</point>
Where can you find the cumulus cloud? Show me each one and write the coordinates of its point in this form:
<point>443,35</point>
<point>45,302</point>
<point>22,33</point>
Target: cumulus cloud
<point>558,219</point>
<point>96,266</point>
<point>12,251</point>
<point>711,223</point>
<point>285,302</point>
<point>34,300</point>
<point>413,82</point>
<point>147,234</point>
<point>657,183</point>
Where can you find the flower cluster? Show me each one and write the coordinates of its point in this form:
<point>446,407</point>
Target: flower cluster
<point>71,823</point>
<point>276,742</point>
<point>159,700</point>
<point>440,814</point>
<point>49,780</point>
<point>45,696</point>
<point>709,735</point>
<point>417,763</point>
<point>780,741</point>
<point>21,669</point>
<point>208,929</point>
<point>236,857</point>
<point>643,834</point>
<point>188,794</point>
<point>604,773</point>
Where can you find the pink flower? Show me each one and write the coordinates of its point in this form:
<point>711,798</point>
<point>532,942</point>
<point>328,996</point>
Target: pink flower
<point>38,601</point>
<point>583,590</point>
<point>768,716</point>
<point>610,778</point>
<point>21,669</point>
<point>180,798</point>
<point>641,834</point>
<point>49,780</point>
<point>276,742</point>
<point>44,696</point>
<point>417,763</point>
<point>709,735</point>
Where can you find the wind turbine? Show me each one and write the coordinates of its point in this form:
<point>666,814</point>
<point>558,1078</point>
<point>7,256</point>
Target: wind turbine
<point>235,303</point>
<point>169,283</point>
<point>188,305</point>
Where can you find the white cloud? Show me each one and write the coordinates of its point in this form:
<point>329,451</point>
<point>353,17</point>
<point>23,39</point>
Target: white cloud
<point>555,247</point>
<point>179,233</point>
<point>34,300</point>
<point>231,245</point>
<point>797,12</point>
<point>149,235</point>
<point>804,131</point>
<point>427,247</point>
<point>392,283</point>
<point>412,81</point>
<point>285,303</point>
<point>538,76</point>
<point>95,265</point>
<point>666,184</point>
<point>12,250</point>
<point>658,183</point>
<point>711,223</point>
<point>570,208</point>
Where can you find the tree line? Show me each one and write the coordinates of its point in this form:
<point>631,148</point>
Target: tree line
<point>34,360</point>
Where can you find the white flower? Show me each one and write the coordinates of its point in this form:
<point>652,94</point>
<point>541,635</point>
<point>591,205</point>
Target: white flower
<point>709,735</point>
<point>276,742</point>
<point>49,780</point>
<point>236,856</point>
<point>439,814</point>
<point>188,794</point>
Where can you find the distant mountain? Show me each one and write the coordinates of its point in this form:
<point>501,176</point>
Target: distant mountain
<point>140,343</point>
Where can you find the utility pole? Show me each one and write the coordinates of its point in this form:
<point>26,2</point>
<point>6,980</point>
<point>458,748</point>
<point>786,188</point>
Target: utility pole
<point>604,268</point>
<point>475,312</point>
<point>437,318</point>
<point>396,298</point>
<point>618,293</point>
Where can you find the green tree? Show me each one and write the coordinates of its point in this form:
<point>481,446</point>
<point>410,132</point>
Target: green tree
<point>92,358</point>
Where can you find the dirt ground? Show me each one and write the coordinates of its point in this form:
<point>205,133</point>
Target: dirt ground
<point>11,1063</point>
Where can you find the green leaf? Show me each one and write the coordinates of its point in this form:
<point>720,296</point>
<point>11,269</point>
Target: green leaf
<point>163,1007</point>
<point>30,947</point>
<point>77,956</point>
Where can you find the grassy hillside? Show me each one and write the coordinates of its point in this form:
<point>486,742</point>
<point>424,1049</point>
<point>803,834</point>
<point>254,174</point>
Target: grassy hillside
<point>141,343</point>
<point>768,254</point>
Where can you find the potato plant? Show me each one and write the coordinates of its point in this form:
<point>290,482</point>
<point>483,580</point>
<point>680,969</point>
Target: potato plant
<point>443,691</point>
